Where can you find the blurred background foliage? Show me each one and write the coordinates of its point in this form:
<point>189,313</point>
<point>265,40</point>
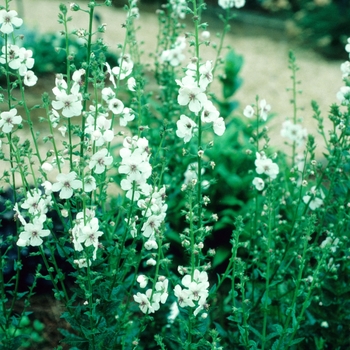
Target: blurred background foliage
<point>320,24</point>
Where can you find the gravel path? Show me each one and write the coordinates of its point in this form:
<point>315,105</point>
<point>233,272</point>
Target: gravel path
<point>264,72</point>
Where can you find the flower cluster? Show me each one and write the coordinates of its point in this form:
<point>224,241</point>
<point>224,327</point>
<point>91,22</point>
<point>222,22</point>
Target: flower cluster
<point>120,72</point>
<point>20,60</point>
<point>86,231</point>
<point>265,166</point>
<point>36,205</point>
<point>135,165</point>
<point>68,100</point>
<point>154,209</point>
<point>195,293</point>
<point>264,109</point>
<point>149,302</point>
<point>116,106</point>
<point>343,94</point>
<point>179,8</point>
<point>227,4</point>
<point>192,94</point>
<point>294,132</point>
<point>314,198</point>
<point>174,56</point>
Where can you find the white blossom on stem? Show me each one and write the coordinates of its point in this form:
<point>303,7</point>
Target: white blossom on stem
<point>258,183</point>
<point>9,120</point>
<point>185,128</point>
<point>266,166</point>
<point>9,21</point>
<point>65,184</point>
<point>33,233</point>
<point>100,160</point>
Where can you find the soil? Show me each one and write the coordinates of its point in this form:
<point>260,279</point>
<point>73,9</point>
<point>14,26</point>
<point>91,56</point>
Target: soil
<point>265,51</point>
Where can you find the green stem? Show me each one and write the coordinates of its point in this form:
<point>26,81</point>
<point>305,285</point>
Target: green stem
<point>87,74</point>
<point>267,277</point>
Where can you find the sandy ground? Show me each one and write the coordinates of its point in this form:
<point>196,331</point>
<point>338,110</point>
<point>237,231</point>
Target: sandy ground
<point>264,72</point>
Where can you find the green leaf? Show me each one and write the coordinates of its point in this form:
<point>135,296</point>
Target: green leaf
<point>220,330</point>
<point>221,255</point>
<point>296,341</point>
<point>268,301</point>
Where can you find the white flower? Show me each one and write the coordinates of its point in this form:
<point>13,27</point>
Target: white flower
<point>32,233</point>
<point>134,164</point>
<point>205,35</point>
<point>294,132</point>
<point>191,95</point>
<point>191,173</point>
<point>107,93</point>
<point>239,3</point>
<point>343,95</point>
<point>135,187</point>
<point>115,106</point>
<point>227,4</point>
<point>89,183</point>
<point>151,262</point>
<point>111,75</point>
<point>330,242</point>
<point>144,300</point>
<point>183,296</point>
<point>347,46</point>
<point>311,199</point>
<point>174,312</point>
<point>78,82</point>
<point>258,183</point>
<point>9,20</point>
<point>9,120</point>
<point>102,133</point>
<point>151,225</point>
<point>219,126</point>
<point>47,187</point>
<point>131,82</point>
<point>266,166</point>
<point>89,235</point>
<point>65,184</point>
<point>124,69</point>
<point>18,214</point>
<point>264,109</point>
<point>27,61</point>
<point>185,128</point>
<point>179,8</point>
<point>142,280</point>
<point>126,116</point>
<point>209,112</point>
<point>206,76</point>
<point>30,78</point>
<point>100,160</point>
<point>162,288</point>
<point>54,118</point>
<point>82,262</point>
<point>34,203</point>
<point>62,130</point>
<point>345,69</point>
<point>151,244</point>
<point>70,104</point>
<point>174,56</point>
<point>248,111</point>
<point>13,56</point>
